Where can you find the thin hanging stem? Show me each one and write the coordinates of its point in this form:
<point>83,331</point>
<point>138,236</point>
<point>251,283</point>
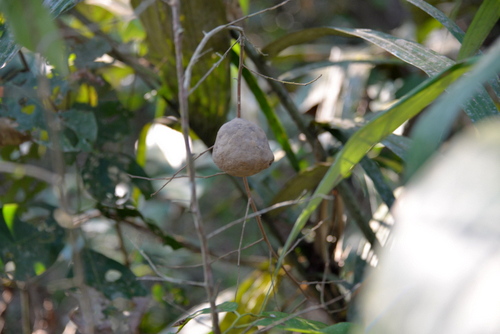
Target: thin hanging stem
<point>240,74</point>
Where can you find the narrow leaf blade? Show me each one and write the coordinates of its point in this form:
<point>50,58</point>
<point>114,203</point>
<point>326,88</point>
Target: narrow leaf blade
<point>372,133</point>
<point>481,25</point>
<point>437,121</point>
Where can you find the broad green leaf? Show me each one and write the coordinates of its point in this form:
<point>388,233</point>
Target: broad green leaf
<point>435,124</point>
<point>110,277</point>
<point>372,133</point>
<point>484,20</point>
<point>30,245</point>
<point>33,27</point>
<point>292,324</point>
<point>272,119</point>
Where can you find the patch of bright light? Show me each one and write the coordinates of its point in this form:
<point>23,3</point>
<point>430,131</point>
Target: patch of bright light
<point>170,142</point>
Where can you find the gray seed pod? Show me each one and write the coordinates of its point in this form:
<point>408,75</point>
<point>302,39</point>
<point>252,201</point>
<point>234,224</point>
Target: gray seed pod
<point>241,148</point>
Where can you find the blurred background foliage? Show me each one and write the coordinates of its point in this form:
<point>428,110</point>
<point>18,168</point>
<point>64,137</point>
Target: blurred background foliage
<point>89,132</point>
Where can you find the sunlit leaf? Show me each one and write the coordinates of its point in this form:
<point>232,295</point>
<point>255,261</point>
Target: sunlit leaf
<point>454,29</point>
<point>436,123</point>
<point>410,52</point>
<point>9,212</point>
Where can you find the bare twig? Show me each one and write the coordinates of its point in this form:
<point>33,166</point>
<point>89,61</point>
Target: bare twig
<point>169,179</point>
<point>240,248</point>
<point>214,66</point>
<point>258,213</point>
<point>283,81</point>
<point>259,12</point>
<point>184,81</point>
<point>161,276</point>
<point>240,74</point>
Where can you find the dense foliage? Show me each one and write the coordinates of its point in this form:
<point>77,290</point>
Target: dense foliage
<point>91,239</point>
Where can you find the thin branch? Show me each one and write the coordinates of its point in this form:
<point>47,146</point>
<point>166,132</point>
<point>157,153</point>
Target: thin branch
<point>214,66</point>
<point>258,13</point>
<point>240,75</point>
<point>257,213</point>
<point>286,101</point>
<point>283,81</point>
<point>161,276</point>
<point>183,83</point>
<point>197,52</point>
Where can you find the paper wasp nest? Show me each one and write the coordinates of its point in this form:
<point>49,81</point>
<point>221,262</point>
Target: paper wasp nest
<point>241,148</point>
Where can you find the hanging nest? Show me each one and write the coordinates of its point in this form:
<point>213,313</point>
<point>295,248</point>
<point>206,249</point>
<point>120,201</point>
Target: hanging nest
<point>241,148</point>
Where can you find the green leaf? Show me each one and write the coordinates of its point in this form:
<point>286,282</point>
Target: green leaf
<point>340,328</point>
<point>411,52</point>
<point>33,27</point>
<point>484,20</point>
<point>110,277</point>
<point>9,212</point>
<point>272,119</point>
<point>84,125</point>
<point>454,29</point>
<point>224,307</point>
<point>372,133</point>
<point>293,324</point>
<point>448,23</point>
<point>30,245</point>
<point>436,123</point>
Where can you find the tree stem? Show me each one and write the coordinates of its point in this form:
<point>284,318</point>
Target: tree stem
<point>184,112</point>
